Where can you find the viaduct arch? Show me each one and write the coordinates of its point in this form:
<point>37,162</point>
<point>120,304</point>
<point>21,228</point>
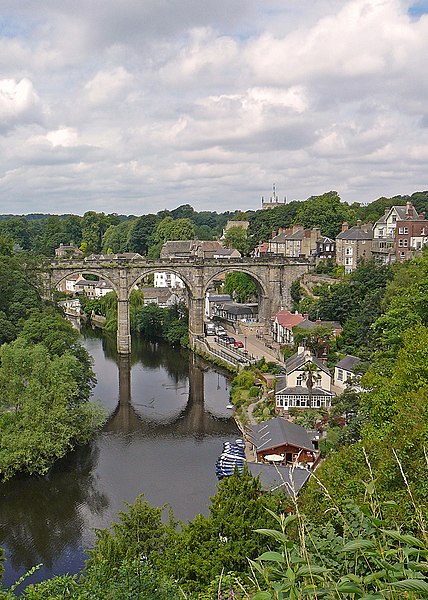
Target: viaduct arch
<point>273,276</point>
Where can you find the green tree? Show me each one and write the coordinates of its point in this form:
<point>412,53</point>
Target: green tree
<point>325,211</point>
<point>240,286</point>
<point>141,232</point>
<point>116,237</point>
<point>317,340</point>
<point>149,321</point>
<point>49,416</point>
<point>236,237</point>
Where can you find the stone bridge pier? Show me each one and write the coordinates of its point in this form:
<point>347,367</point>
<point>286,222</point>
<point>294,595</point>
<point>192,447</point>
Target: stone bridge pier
<point>272,276</point>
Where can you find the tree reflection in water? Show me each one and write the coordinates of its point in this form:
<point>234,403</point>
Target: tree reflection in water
<point>41,517</point>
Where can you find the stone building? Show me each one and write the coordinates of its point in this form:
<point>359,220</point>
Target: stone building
<point>353,244</point>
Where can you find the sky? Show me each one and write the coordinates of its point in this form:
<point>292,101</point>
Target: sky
<point>135,106</point>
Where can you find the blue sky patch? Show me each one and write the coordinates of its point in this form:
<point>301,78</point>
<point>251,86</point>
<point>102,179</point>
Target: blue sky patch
<point>419,8</point>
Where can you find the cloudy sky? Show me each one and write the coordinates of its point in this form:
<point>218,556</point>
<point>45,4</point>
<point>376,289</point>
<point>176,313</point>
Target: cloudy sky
<point>132,106</point>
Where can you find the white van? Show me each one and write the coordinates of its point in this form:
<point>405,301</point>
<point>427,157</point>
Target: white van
<point>210,329</point>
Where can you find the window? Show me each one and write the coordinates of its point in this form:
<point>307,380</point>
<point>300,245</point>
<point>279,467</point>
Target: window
<point>405,243</point>
<point>348,251</point>
<point>348,260</point>
<point>400,243</point>
<point>403,230</point>
<point>339,375</point>
<point>394,218</point>
<point>402,255</point>
<point>299,380</point>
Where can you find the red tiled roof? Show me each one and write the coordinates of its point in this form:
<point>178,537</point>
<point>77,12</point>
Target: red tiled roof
<point>288,319</point>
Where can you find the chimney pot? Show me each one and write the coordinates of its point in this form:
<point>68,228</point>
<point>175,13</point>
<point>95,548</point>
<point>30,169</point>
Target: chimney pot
<point>345,226</point>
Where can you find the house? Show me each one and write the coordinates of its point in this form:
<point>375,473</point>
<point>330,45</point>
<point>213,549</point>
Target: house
<point>325,248</point>
<point>69,283</point>
<point>163,297</point>
<point>170,280</point>
<point>291,389</point>
<point>335,326</point>
<point>70,306</point>
<point>282,326</point>
<point>177,249</point>
<point>196,249</point>
<point>384,231</point>
<point>92,289</point>
<point>345,370</point>
<point>262,249</point>
<point>67,251</point>
<point>298,242</point>
<point>233,311</point>
<point>353,244</point>
<point>283,442</point>
<point>223,253</point>
<point>411,236</point>
<point>211,300</point>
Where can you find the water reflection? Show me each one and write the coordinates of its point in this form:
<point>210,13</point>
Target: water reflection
<point>42,516</point>
<point>166,427</point>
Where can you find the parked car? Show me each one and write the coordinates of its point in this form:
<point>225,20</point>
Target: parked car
<point>238,344</point>
<point>231,340</point>
<point>220,331</point>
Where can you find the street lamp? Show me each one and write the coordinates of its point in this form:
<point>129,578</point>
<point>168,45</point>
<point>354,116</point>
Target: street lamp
<point>245,342</point>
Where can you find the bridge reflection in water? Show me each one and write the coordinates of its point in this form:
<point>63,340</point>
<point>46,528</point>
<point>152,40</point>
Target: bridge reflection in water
<point>192,418</point>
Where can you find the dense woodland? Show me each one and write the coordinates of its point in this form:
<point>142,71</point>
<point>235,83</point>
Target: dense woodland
<point>358,529</point>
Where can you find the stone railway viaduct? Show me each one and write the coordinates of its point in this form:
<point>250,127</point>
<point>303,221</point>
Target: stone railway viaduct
<point>272,275</point>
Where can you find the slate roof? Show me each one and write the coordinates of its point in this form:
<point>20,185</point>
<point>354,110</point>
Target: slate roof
<point>356,233</point>
<point>348,362</point>
<point>307,324</point>
<point>298,360</point>
<point>277,432</point>
<point>180,247</point>
<point>219,298</point>
<point>280,237</point>
<point>226,252</point>
<point>234,308</point>
<point>159,293</point>
<point>273,477</point>
<point>401,213</point>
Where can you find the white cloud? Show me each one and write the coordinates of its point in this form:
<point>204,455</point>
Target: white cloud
<point>112,105</point>
<point>108,86</point>
<point>18,102</point>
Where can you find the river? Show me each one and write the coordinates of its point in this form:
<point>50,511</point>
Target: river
<point>167,422</point>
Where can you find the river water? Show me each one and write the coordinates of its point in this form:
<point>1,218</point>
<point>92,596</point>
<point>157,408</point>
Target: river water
<point>168,420</point>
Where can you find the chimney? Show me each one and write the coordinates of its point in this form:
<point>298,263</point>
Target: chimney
<point>273,233</point>
<point>359,223</point>
<point>387,211</point>
<point>300,350</point>
<point>280,230</point>
<point>409,210</point>
<point>297,228</point>
<point>345,226</point>
<point>422,216</point>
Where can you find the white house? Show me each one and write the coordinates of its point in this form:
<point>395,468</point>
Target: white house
<point>169,280</point>
<point>163,297</point>
<point>292,391</point>
<point>282,326</point>
<point>345,370</point>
